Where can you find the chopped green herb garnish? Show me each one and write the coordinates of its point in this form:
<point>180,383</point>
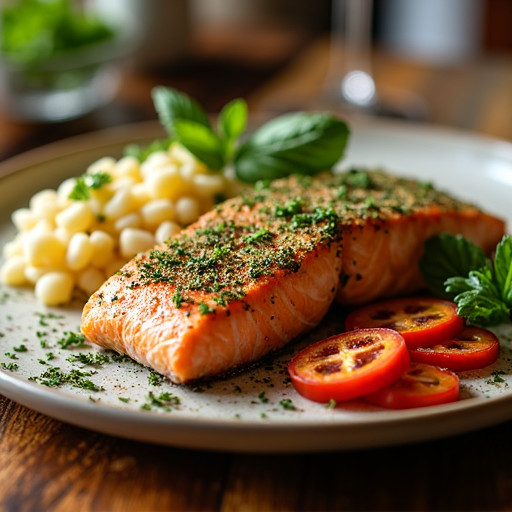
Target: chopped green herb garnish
<point>121,358</point>
<point>155,379</point>
<point>55,377</point>
<point>164,401</point>
<point>205,309</point>
<point>262,397</point>
<point>497,377</point>
<point>92,359</point>
<point>331,404</point>
<point>87,182</point>
<point>9,366</point>
<point>71,339</point>
<point>287,404</point>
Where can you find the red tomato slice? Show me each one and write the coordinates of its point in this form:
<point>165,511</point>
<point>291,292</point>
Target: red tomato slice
<point>420,386</point>
<point>349,365</point>
<point>422,321</point>
<point>473,348</point>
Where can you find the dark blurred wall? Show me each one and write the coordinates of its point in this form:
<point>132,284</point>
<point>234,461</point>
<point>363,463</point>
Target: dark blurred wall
<point>498,25</point>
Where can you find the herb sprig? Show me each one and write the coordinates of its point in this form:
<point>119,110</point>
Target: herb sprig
<point>295,143</point>
<point>455,268</point>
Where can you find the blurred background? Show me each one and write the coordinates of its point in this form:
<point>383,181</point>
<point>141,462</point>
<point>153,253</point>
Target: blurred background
<point>93,65</point>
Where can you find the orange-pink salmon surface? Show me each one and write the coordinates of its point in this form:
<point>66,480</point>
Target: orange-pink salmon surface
<point>265,267</point>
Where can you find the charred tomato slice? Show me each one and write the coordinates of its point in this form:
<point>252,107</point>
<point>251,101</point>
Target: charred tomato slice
<point>349,365</point>
<point>422,321</point>
<point>421,385</point>
<point>471,349</point>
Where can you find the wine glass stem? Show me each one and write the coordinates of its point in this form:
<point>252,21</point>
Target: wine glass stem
<point>351,31</point>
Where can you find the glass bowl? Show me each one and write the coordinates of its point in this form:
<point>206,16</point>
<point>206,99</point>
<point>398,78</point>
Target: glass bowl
<point>66,86</point>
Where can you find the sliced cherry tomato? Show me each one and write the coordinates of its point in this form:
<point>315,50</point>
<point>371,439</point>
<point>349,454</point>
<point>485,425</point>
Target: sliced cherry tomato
<point>349,365</point>
<point>422,321</point>
<point>420,386</point>
<point>471,349</point>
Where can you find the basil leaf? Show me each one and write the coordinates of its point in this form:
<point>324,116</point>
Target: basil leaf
<point>201,141</point>
<point>298,143</point>
<point>172,105</point>
<point>233,120</point>
<point>503,268</point>
<point>446,256</point>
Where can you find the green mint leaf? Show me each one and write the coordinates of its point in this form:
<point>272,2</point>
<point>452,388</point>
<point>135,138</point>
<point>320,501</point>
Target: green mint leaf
<point>297,143</point>
<point>201,141</point>
<point>456,285</point>
<point>484,280</point>
<point>446,256</point>
<point>478,297</point>
<point>172,105</point>
<point>233,120</point>
<point>503,269</point>
<point>478,308</point>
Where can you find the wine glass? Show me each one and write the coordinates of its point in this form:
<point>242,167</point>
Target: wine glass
<point>350,84</point>
<point>349,87</point>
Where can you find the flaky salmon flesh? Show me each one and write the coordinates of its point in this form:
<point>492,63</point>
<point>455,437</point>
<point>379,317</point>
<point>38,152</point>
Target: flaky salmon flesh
<point>263,268</point>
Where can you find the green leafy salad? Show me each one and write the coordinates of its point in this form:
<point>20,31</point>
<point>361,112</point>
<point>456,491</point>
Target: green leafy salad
<point>33,31</point>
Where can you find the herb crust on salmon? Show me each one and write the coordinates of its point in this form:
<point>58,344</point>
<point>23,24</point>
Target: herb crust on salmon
<point>263,268</point>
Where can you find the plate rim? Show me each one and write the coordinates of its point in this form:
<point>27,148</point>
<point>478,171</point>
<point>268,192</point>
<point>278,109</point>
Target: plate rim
<point>149,129</point>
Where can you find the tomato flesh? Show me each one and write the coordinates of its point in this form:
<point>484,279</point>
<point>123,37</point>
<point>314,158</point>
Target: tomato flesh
<point>421,385</point>
<point>422,321</point>
<point>471,349</point>
<point>349,365</point>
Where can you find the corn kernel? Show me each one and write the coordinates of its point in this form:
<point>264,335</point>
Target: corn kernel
<point>78,216</point>
<point>157,211</point>
<point>187,210</point>
<point>12,271</point>
<point>43,248</point>
<point>54,288</point>
<point>132,241</point>
<point>79,251</point>
<point>102,248</point>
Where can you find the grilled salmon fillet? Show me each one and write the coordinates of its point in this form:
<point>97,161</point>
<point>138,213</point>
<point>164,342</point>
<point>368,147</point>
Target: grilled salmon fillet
<point>262,268</point>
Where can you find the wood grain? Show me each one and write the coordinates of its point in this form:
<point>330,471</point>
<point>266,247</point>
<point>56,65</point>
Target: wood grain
<point>49,465</point>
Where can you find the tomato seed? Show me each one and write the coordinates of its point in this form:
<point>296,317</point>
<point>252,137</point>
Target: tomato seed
<point>426,318</point>
<point>456,346</point>
<point>361,342</point>
<point>328,368</point>
<point>364,358</point>
<point>329,350</point>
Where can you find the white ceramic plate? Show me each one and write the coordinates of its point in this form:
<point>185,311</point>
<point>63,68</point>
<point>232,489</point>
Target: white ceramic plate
<point>257,411</point>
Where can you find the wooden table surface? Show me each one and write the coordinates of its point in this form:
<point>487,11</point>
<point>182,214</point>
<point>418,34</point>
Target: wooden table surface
<point>50,465</point>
